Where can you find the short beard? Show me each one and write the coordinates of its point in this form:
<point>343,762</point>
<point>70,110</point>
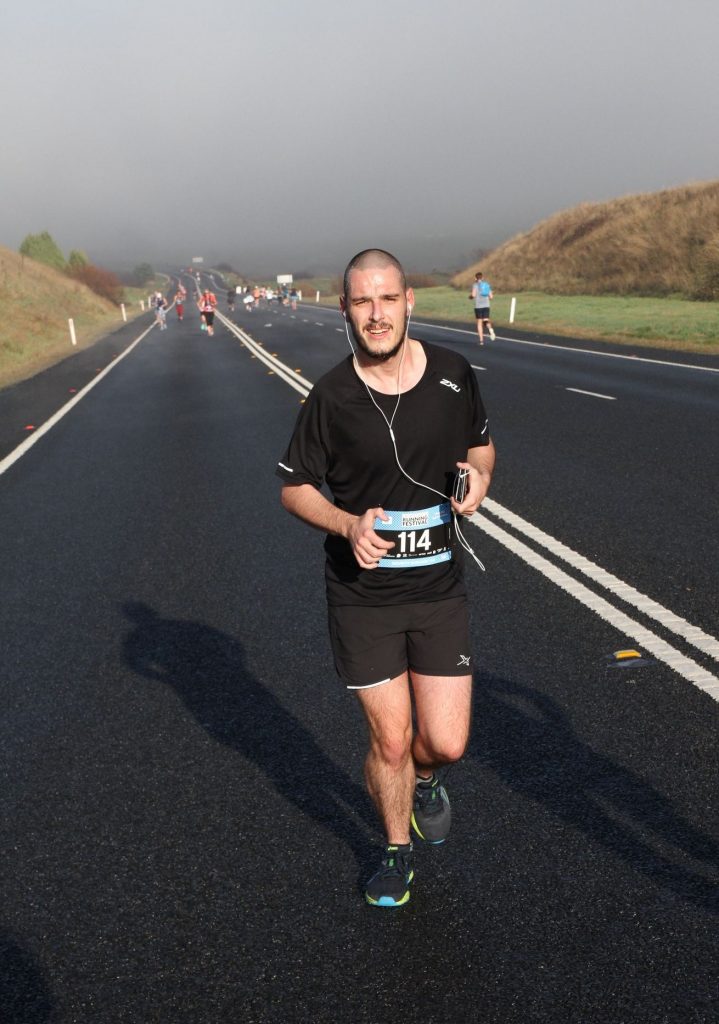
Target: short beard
<point>379,357</point>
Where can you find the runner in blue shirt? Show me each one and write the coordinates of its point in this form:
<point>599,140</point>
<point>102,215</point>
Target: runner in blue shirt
<point>482,293</point>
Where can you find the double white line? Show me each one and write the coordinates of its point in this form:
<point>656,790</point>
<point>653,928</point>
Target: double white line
<point>290,376</point>
<point>620,590</point>
<point>486,520</point>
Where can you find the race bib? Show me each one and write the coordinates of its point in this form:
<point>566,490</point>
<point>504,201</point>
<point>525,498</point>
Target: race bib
<point>422,537</point>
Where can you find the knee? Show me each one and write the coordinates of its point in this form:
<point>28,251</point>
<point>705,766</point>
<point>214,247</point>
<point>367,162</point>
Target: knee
<point>393,749</point>
<point>453,750</point>
<point>445,749</point>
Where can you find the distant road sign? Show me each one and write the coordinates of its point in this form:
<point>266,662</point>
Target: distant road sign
<point>284,279</point>
<point>198,259</point>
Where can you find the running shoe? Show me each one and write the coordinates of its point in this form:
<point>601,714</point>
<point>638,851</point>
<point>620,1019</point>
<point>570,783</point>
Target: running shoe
<point>432,815</point>
<point>492,335</point>
<point>389,887</point>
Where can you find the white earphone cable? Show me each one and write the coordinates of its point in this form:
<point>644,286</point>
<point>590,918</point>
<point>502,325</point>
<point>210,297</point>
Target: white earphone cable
<point>460,536</point>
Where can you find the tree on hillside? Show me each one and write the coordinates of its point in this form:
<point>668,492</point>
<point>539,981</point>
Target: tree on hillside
<point>102,282</point>
<point>76,259</point>
<point>44,249</point>
<point>141,274</point>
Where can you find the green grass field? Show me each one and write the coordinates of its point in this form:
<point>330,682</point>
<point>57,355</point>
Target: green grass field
<point>666,323</point>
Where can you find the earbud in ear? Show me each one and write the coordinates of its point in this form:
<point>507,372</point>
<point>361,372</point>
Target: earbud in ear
<point>410,308</point>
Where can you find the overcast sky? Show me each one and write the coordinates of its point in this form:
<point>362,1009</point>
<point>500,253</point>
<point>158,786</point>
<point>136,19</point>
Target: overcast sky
<point>288,135</point>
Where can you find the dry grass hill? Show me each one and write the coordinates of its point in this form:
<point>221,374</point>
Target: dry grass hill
<point>35,305</point>
<point>661,243</point>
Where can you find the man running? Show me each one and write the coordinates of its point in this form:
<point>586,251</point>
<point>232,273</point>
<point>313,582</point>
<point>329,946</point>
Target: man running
<point>388,431</point>
<point>482,294</point>
<point>206,305</point>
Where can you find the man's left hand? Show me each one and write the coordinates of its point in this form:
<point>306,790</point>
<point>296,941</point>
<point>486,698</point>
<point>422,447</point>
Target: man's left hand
<point>477,487</point>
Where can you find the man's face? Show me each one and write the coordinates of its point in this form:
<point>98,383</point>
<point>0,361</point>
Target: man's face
<point>376,308</point>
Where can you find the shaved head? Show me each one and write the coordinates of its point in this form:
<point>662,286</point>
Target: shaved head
<point>373,258</point>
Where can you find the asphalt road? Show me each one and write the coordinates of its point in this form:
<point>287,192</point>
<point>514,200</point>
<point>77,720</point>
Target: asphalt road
<point>185,832</point>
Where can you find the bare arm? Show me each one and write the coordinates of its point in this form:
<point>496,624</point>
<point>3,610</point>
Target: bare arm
<point>311,506</point>
<point>308,504</point>
<point>480,463</point>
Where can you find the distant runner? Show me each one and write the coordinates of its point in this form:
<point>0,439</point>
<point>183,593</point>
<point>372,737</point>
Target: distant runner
<point>207,305</point>
<point>482,293</point>
<point>160,303</point>
<point>180,303</point>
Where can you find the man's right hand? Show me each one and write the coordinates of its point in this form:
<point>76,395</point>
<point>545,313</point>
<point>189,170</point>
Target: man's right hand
<point>367,546</point>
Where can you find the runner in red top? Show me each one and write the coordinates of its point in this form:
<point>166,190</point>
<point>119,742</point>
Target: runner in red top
<point>180,303</point>
<point>206,305</point>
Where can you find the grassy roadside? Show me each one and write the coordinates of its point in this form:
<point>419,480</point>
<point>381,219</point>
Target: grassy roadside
<point>676,324</point>
<point>35,305</point>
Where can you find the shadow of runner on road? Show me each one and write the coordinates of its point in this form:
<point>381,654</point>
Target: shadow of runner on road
<point>207,669</point>
<point>525,738</point>
<point>24,995</point>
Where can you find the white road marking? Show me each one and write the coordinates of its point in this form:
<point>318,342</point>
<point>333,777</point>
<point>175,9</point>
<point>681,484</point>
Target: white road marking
<point>592,394</point>
<point>569,348</point>
<point>27,444</point>
<point>684,666</point>
<point>652,609</point>
<point>290,376</point>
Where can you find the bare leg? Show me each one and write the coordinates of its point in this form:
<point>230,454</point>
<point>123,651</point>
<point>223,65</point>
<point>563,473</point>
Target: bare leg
<point>389,769</point>
<point>443,708</point>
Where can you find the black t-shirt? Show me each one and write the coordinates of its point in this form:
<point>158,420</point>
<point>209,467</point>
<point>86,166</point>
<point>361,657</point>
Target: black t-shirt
<point>342,440</point>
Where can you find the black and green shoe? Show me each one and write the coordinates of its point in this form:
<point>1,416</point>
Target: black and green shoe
<point>431,814</point>
<point>389,887</point>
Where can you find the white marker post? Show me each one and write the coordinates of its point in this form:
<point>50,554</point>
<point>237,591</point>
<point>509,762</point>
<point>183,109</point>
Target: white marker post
<point>142,305</point>
<point>73,339</point>
<point>512,309</point>
<point>317,297</point>
<point>124,314</point>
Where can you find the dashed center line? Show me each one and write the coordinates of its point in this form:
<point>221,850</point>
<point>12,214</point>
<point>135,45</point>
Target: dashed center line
<point>592,394</point>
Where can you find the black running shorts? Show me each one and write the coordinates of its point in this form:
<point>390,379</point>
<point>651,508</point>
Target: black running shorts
<point>481,313</point>
<point>372,645</point>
